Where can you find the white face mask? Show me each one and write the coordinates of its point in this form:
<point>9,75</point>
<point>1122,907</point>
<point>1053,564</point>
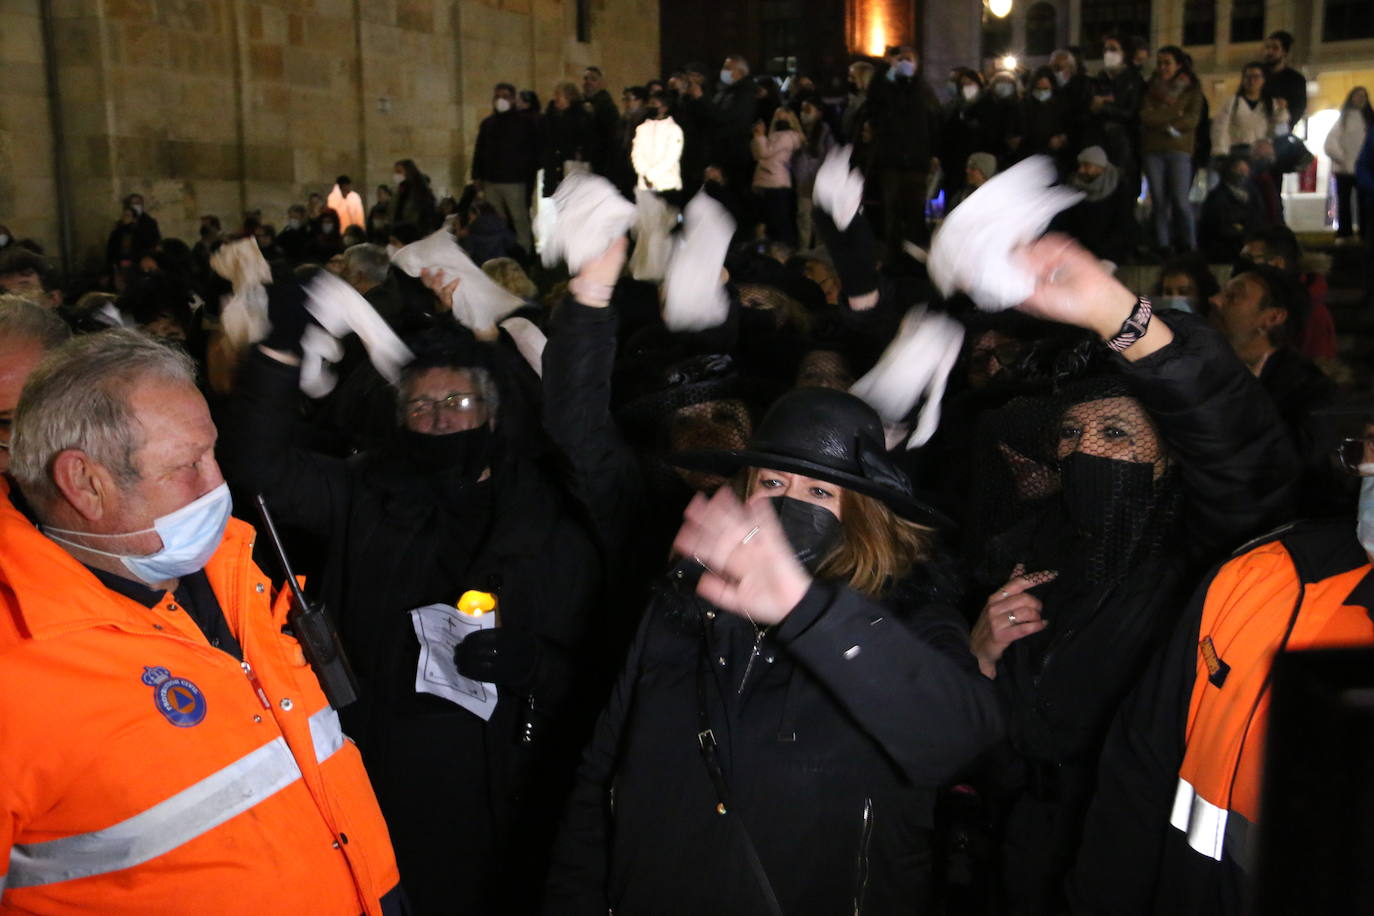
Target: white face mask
<point>137,208</point>
<point>4,240</point>
<point>969,92</point>
<point>1003,90</point>
<point>502,105</point>
<point>400,177</point>
<point>1061,77</point>
<point>1111,58</point>
<point>727,77</point>
<point>1176,303</point>
<point>190,537</point>
<point>1042,95</point>
<point>906,68</point>
<point>1365,528</point>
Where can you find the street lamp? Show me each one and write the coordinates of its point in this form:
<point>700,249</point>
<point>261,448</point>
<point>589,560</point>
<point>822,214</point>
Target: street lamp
<point>999,8</point>
<point>1008,62</point>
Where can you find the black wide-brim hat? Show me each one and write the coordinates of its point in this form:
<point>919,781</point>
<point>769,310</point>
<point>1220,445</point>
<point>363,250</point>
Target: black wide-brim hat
<point>829,435</point>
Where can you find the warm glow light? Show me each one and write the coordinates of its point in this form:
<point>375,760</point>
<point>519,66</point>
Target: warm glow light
<point>877,33</point>
<point>1009,62</point>
<point>999,8</point>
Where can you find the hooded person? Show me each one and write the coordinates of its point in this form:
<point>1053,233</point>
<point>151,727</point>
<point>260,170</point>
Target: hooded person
<point>457,499</point>
<point>756,735</point>
<point>1103,221</point>
<point>1114,494</point>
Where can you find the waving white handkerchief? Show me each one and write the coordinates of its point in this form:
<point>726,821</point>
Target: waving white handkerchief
<point>529,341</point>
<point>340,310</point>
<point>973,250</point>
<point>590,214</point>
<point>915,365</point>
<point>839,189</point>
<point>693,297</point>
<point>478,302</point>
<point>244,315</point>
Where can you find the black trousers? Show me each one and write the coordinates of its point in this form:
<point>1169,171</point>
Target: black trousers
<point>1347,194</point>
<point>778,209</point>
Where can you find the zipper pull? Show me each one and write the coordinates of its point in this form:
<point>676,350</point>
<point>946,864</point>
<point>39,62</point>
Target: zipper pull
<point>256,684</point>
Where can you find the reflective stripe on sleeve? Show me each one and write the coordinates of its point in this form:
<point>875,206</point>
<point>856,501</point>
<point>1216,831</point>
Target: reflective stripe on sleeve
<point>326,733</point>
<point>163,827</point>
<point>1203,822</point>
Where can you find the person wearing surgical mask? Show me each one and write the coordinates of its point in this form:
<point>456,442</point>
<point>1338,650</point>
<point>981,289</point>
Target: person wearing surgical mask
<point>6,240</point>
<point>504,162</point>
<point>1044,119</point>
<point>1115,98</point>
<point>971,126</point>
<point>1186,284</point>
<point>734,109</point>
<point>414,201</point>
<point>127,587</point>
<point>906,122</point>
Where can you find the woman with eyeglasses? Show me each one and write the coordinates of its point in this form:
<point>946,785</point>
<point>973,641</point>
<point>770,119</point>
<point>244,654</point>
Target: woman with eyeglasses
<point>455,500</point>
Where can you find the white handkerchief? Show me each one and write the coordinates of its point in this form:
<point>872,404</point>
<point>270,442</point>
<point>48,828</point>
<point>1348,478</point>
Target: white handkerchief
<point>590,214</point>
<point>693,297</point>
<point>244,315</point>
<point>478,302</point>
<point>915,365</point>
<point>973,250</point>
<point>839,189</point>
<point>340,310</point>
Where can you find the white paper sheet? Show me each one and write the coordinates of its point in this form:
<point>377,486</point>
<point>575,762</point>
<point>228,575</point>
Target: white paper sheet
<point>440,628</point>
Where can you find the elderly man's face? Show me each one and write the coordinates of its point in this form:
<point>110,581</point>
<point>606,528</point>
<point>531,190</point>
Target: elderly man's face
<point>17,359</point>
<point>175,464</point>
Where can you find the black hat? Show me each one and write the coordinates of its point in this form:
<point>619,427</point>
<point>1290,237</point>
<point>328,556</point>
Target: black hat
<point>826,434</point>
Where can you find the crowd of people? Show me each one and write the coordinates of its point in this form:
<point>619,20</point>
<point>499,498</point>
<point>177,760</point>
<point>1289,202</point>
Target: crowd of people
<point>752,654</point>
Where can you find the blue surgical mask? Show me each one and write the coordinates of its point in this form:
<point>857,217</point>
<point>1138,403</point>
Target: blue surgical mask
<point>190,536</point>
<point>906,68</point>
<point>727,77</point>
<point>1365,528</point>
<point>1177,303</point>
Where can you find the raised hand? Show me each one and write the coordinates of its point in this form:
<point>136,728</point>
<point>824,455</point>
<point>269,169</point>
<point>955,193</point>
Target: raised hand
<point>1010,614</point>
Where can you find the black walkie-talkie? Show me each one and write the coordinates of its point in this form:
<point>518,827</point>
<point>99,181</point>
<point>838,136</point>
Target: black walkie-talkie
<point>313,629</point>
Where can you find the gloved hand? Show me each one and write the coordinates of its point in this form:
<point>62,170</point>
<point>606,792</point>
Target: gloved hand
<point>504,657</point>
<point>286,310</point>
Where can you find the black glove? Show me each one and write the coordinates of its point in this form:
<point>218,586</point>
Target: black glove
<point>286,310</point>
<point>504,657</point>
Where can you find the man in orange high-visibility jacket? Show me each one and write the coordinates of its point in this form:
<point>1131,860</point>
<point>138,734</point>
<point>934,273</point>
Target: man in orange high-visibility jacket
<point>164,748</point>
<point>1173,826</point>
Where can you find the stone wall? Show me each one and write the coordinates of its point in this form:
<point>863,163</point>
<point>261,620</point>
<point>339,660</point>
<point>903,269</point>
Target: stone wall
<point>223,106</point>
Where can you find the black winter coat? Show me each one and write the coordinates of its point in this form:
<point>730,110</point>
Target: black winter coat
<point>906,124</point>
<point>567,136</point>
<point>398,538</point>
<point>507,150</point>
<point>833,730</point>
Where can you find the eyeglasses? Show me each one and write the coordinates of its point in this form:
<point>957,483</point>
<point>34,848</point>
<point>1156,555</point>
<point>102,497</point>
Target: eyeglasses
<point>459,402</point>
<point>1352,452</point>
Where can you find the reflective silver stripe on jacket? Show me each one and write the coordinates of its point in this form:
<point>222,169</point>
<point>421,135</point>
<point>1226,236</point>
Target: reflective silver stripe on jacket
<point>326,732</point>
<point>1212,830</point>
<point>163,827</point>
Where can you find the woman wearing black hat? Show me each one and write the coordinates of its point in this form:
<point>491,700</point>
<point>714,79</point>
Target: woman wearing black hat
<point>782,757</point>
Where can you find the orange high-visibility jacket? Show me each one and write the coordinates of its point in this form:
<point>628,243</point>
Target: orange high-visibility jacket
<point>143,771</point>
<point>1257,605</point>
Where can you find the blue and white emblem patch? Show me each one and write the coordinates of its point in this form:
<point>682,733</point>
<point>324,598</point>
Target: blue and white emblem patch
<point>179,701</point>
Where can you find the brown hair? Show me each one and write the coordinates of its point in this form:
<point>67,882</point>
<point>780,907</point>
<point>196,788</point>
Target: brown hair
<point>877,547</point>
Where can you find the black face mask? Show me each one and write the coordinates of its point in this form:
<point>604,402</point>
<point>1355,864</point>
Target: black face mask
<point>1106,497</point>
<point>464,454</point>
<point>812,531</point>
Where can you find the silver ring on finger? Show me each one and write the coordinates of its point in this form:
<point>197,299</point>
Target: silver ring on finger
<point>1011,618</point>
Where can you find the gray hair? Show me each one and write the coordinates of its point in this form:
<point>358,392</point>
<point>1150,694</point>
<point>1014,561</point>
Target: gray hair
<point>371,262</point>
<point>78,398</point>
<point>486,386</point>
<point>24,320</point>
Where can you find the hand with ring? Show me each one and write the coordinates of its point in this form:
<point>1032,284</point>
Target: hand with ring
<point>1010,614</point>
<point>751,569</point>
